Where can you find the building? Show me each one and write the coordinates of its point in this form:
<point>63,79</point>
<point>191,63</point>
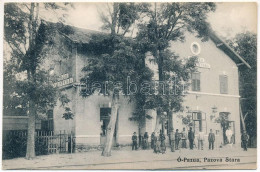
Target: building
<point>214,91</point>
<point>213,95</point>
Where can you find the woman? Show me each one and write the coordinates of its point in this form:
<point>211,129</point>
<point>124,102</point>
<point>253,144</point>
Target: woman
<point>157,148</point>
<point>162,139</point>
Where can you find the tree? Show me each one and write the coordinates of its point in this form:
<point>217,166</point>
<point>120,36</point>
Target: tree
<point>28,38</point>
<point>245,44</point>
<point>168,22</point>
<point>114,59</point>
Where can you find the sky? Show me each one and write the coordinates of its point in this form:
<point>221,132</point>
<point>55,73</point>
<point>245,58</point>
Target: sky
<point>229,18</point>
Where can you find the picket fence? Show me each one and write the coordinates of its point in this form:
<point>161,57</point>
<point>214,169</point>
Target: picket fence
<point>46,142</point>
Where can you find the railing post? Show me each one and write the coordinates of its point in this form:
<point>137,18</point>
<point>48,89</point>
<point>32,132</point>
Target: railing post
<point>60,141</point>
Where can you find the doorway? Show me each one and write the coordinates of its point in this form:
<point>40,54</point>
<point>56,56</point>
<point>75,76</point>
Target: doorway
<point>228,128</point>
<point>105,114</point>
<point>199,122</point>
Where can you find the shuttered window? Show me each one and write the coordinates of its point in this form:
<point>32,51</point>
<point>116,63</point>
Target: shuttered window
<point>195,77</point>
<point>223,80</point>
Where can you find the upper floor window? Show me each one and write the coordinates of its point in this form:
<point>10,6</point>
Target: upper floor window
<point>195,48</point>
<point>223,80</point>
<point>195,80</point>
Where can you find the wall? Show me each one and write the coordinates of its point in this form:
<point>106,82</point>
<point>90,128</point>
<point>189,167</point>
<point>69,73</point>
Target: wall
<point>18,123</point>
<point>86,123</point>
<point>209,95</point>
<point>219,62</point>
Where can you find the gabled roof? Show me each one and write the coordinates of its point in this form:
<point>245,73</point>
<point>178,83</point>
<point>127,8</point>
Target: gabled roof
<point>74,34</point>
<point>80,35</point>
<point>83,36</point>
<point>228,50</point>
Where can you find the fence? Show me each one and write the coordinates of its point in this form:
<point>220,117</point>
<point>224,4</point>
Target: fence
<point>46,142</point>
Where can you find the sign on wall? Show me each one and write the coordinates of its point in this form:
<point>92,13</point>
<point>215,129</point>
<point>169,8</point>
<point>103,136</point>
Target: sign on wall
<point>202,64</point>
<point>63,80</point>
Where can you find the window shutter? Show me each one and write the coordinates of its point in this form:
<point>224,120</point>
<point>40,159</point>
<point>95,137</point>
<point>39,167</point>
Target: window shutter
<point>198,85</point>
<point>195,81</point>
<point>223,80</point>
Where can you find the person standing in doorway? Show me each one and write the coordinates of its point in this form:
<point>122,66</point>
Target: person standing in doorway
<point>211,139</point>
<point>244,138</point>
<point>191,137</point>
<point>200,140</point>
<point>177,139</point>
<point>229,134</point>
<point>172,140</point>
<point>184,138</point>
<point>134,140</point>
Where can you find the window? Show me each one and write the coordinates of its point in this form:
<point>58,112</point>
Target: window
<point>195,81</point>
<point>223,80</point>
<point>195,48</point>
<point>47,125</point>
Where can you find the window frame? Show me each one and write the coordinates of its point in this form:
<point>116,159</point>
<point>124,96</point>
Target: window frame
<point>197,85</point>
<point>223,84</point>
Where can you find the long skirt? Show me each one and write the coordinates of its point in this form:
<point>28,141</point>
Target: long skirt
<point>163,146</point>
<point>157,148</point>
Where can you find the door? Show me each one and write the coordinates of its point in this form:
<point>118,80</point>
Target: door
<point>104,119</point>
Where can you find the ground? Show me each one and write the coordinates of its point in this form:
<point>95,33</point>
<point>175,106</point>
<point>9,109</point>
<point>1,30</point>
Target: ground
<point>125,158</point>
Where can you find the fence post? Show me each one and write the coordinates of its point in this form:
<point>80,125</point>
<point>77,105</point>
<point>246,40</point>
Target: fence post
<point>71,146</point>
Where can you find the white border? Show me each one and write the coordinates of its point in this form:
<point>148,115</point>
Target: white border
<point>1,58</point>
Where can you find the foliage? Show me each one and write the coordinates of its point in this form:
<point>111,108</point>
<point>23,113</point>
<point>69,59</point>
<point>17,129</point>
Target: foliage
<point>168,22</point>
<point>114,60</point>
<point>68,114</point>
<point>28,38</point>
<point>187,120</point>
<point>224,122</point>
<point>121,16</point>
<point>14,144</point>
<point>245,44</point>
<point>114,54</point>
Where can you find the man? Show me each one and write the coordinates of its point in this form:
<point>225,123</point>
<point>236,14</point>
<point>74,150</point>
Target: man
<point>244,138</point>
<point>229,134</point>
<point>172,139</point>
<point>153,140</point>
<point>191,137</point>
<point>177,139</point>
<point>146,136</point>
<point>184,138</point>
<point>211,139</point>
<point>134,139</point>
<point>200,140</point>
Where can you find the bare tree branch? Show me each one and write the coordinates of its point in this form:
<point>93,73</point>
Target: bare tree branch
<point>174,24</point>
<point>245,116</point>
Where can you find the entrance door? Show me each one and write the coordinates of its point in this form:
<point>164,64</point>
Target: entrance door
<point>105,114</point>
<point>104,119</point>
<point>199,122</point>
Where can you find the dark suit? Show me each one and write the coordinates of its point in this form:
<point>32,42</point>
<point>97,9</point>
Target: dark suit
<point>134,145</point>
<point>244,138</point>
<point>211,139</point>
<point>191,137</point>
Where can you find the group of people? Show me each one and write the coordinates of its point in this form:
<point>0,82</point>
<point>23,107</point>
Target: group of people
<point>175,138</point>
